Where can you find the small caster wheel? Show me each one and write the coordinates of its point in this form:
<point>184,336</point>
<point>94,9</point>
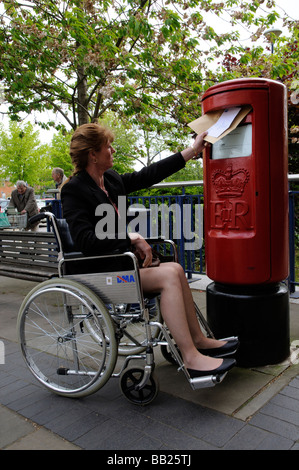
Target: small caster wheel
<point>130,378</point>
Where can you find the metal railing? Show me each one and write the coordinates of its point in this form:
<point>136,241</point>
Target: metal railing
<point>293,197</point>
<point>193,261</point>
<point>166,223</point>
<point>179,218</point>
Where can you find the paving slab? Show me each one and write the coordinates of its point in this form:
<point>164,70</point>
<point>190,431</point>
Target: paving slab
<point>251,409</point>
<point>18,433</point>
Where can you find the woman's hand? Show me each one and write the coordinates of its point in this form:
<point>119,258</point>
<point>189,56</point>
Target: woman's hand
<point>197,147</point>
<point>142,249</point>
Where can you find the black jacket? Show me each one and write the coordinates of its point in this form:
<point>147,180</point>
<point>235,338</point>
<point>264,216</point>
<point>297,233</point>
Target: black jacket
<point>82,199</point>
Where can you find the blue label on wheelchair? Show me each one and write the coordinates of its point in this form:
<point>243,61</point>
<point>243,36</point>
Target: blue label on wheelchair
<point>125,278</point>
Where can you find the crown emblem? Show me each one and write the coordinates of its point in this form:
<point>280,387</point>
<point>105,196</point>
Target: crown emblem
<point>229,183</point>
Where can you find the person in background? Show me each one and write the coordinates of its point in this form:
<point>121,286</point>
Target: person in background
<point>59,178</point>
<point>23,199</point>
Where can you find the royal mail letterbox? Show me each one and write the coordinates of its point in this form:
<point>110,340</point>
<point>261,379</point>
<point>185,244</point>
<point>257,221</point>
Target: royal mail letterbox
<point>246,219</point>
<point>246,186</point>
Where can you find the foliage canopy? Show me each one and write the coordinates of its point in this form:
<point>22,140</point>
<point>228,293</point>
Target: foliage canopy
<point>145,60</point>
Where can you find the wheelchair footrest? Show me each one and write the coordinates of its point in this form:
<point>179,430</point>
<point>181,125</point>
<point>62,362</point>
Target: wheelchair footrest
<point>206,381</point>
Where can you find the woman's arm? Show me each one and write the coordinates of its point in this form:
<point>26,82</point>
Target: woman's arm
<point>160,170</point>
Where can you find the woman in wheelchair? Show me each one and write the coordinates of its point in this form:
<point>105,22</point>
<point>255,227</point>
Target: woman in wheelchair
<point>93,184</point>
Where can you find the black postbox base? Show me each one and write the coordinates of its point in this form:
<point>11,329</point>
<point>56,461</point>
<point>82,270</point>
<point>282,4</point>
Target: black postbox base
<point>259,316</point>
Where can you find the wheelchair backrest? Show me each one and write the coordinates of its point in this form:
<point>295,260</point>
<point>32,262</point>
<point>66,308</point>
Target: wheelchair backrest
<point>67,242</point>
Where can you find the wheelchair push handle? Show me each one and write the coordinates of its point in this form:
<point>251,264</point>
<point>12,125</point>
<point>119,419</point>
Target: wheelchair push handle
<point>40,216</point>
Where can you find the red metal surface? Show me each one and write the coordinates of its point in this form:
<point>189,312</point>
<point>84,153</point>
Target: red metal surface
<point>246,198</point>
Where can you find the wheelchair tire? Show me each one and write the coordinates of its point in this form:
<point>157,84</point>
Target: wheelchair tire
<point>67,337</point>
<point>130,378</point>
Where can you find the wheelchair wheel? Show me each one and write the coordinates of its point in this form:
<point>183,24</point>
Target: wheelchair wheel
<point>130,378</point>
<point>133,340</point>
<point>67,337</point>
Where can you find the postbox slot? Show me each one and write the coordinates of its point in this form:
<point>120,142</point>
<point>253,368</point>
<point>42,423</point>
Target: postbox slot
<point>237,143</point>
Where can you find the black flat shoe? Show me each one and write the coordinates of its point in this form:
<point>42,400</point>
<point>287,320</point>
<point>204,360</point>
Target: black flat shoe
<point>227,349</point>
<point>226,365</point>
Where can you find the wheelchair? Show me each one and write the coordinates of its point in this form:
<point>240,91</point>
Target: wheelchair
<point>75,329</point>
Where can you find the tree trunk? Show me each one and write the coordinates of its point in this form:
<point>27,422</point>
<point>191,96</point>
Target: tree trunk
<point>83,117</point>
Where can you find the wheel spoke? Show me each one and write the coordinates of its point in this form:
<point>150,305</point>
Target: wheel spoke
<point>64,327</point>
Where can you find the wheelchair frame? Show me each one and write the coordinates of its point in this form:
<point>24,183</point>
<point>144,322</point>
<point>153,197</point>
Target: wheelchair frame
<point>70,330</point>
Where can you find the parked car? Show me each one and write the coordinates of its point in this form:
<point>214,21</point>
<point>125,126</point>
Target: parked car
<point>41,203</point>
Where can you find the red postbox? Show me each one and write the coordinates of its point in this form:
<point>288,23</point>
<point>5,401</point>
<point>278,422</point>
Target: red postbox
<point>246,220</point>
<point>246,186</point>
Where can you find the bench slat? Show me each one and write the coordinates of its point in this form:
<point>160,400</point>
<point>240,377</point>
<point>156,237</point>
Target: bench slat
<point>23,253</point>
<point>28,255</point>
<point>29,263</point>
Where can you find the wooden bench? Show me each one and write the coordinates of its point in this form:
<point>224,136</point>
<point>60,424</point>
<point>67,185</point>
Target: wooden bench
<point>31,256</point>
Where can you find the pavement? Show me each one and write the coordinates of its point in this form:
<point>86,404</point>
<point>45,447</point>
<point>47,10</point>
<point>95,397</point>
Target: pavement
<point>252,409</point>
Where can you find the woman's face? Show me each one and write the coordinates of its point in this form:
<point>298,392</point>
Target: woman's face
<point>103,159</point>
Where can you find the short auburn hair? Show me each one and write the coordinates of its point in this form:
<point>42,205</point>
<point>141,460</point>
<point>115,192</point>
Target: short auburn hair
<point>85,138</point>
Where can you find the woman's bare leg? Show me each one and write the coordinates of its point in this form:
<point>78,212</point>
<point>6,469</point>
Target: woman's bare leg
<point>199,339</point>
<point>166,279</point>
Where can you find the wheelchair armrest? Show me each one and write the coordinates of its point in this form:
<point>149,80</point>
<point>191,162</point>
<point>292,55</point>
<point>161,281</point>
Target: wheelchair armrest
<point>158,240</point>
<point>164,241</point>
